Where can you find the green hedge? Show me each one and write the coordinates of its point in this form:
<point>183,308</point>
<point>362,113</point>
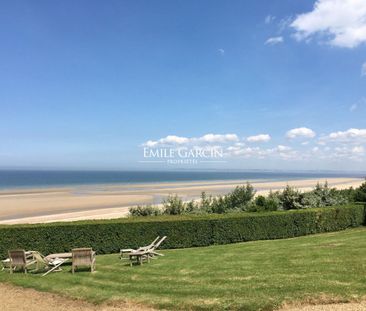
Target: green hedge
<point>108,236</point>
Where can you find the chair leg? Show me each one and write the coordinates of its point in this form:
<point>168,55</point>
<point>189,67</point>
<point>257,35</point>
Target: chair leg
<point>73,269</point>
<point>53,269</point>
<point>11,269</point>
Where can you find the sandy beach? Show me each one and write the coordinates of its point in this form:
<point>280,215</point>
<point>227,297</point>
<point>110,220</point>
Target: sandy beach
<point>113,201</point>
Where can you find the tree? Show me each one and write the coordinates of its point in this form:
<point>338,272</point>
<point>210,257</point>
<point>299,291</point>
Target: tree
<point>360,193</point>
<point>291,198</point>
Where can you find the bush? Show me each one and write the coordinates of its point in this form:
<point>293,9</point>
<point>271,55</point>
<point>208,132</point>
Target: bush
<point>240,197</point>
<point>260,201</point>
<point>145,211</point>
<point>323,196</point>
<point>272,204</point>
<point>291,198</point>
<point>173,205</point>
<point>360,193</point>
<point>108,236</point>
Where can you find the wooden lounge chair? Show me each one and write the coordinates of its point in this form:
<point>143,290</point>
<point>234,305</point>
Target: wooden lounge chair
<point>83,257</point>
<point>143,248</point>
<point>51,264</point>
<point>153,251</point>
<point>19,259</point>
<point>144,254</point>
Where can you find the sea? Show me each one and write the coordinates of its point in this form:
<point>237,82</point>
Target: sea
<point>10,179</point>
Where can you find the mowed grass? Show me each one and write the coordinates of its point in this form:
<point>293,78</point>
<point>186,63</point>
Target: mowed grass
<point>259,275</point>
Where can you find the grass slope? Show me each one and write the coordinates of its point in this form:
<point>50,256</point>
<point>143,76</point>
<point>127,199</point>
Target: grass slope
<point>258,275</point>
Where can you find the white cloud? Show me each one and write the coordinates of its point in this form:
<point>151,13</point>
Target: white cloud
<point>363,69</point>
<point>219,138</point>
<point>300,132</point>
<point>345,152</point>
<point>274,40</point>
<point>283,148</point>
<point>261,138</point>
<point>221,51</point>
<point>269,19</point>
<point>168,140</point>
<point>178,140</point>
<point>340,23</point>
<point>350,135</point>
<point>358,150</point>
<point>279,152</point>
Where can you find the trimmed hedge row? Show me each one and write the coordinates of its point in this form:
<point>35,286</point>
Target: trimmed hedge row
<point>108,236</point>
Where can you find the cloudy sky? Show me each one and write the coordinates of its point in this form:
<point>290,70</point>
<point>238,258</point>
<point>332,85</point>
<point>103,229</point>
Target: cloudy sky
<point>276,84</point>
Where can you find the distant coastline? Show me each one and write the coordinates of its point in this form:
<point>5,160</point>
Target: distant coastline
<point>30,179</point>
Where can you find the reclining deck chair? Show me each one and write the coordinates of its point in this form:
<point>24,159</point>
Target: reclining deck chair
<point>149,250</point>
<point>143,248</point>
<point>51,264</point>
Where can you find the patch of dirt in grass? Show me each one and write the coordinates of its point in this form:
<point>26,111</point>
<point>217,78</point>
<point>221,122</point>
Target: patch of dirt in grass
<point>24,299</point>
<point>325,303</point>
<point>352,306</point>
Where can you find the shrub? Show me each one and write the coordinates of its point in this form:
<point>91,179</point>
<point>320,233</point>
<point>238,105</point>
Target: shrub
<point>173,205</point>
<point>272,204</point>
<point>360,193</point>
<point>260,201</point>
<point>206,202</point>
<point>145,211</point>
<point>219,205</point>
<point>108,236</point>
<point>240,197</point>
<point>322,196</point>
<point>291,198</point>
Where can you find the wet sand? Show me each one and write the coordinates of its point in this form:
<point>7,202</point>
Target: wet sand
<point>112,201</point>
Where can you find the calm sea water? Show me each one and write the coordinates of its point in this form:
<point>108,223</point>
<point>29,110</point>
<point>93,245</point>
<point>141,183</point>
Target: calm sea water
<point>35,179</point>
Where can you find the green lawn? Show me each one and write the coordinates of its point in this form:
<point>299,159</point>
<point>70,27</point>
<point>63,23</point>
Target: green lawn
<point>257,275</point>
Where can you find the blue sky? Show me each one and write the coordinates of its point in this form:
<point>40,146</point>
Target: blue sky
<point>86,84</point>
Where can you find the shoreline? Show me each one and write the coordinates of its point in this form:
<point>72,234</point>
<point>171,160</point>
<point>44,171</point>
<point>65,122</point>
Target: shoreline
<point>113,201</point>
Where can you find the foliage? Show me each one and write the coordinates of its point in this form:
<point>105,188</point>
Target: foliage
<point>291,198</point>
<point>108,236</point>
<point>360,193</point>
<point>147,210</point>
<point>173,205</point>
<point>323,196</point>
<point>242,198</point>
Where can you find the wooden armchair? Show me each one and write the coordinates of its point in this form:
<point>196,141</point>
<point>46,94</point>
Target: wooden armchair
<point>19,259</point>
<point>83,257</point>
